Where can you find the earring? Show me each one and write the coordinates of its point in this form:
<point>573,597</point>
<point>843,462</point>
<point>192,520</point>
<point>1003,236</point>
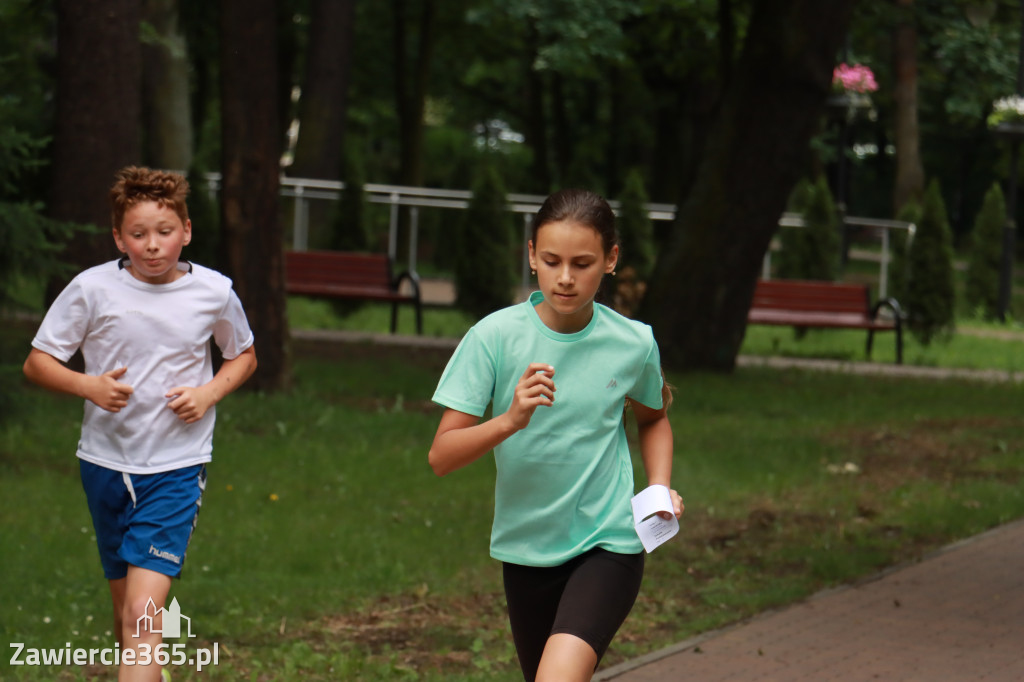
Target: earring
<point>533,272</point>
<point>613,273</point>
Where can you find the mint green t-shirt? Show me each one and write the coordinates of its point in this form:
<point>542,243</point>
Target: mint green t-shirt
<point>564,482</point>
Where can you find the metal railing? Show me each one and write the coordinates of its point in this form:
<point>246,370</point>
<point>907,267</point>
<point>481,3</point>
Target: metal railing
<point>882,227</point>
<point>304,190</point>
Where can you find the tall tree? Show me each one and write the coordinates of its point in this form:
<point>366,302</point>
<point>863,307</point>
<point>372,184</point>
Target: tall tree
<point>412,73</point>
<point>323,107</point>
<point>97,118</point>
<point>252,236</point>
<point>165,87</point>
<point>909,169</point>
<point>704,282</point>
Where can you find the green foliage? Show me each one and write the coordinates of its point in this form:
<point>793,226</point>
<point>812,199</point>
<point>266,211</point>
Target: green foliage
<point>30,243</point>
<point>930,298</point>
<point>484,276</point>
<point>204,212</point>
<point>899,240</point>
<point>811,252</point>
<point>984,261</point>
<point>636,231</point>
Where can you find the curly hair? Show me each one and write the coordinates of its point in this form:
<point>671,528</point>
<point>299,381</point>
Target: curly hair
<point>135,184</point>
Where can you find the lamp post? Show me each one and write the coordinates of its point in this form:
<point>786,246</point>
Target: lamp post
<point>1010,228</point>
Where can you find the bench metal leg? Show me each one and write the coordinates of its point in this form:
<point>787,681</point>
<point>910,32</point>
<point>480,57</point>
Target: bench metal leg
<point>899,343</point>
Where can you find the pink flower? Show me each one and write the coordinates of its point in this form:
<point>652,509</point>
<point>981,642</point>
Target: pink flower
<point>856,78</point>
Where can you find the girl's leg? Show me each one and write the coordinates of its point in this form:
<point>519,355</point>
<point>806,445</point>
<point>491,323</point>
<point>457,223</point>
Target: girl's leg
<point>532,596</point>
<point>567,658</point>
<point>595,602</point>
<point>142,621</point>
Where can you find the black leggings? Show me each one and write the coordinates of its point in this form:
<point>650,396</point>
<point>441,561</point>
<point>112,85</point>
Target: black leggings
<point>588,596</point>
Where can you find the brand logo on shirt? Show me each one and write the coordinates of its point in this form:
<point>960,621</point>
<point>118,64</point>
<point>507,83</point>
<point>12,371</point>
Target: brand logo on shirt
<point>612,384</point>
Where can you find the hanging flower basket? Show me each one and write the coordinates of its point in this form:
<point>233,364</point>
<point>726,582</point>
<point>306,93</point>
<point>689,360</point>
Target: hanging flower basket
<point>851,85</point>
<point>1007,117</point>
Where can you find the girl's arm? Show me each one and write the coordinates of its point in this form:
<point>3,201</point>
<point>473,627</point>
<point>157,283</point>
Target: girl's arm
<point>655,436</point>
<point>104,389</point>
<point>191,404</point>
<point>461,439</point>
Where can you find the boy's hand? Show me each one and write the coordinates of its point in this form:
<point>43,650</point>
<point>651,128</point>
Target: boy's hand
<point>109,393</point>
<point>535,388</point>
<point>190,404</point>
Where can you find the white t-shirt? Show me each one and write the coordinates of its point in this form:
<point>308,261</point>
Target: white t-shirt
<point>161,333</point>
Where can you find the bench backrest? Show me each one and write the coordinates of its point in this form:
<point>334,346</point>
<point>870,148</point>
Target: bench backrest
<point>337,267</point>
<point>782,294</point>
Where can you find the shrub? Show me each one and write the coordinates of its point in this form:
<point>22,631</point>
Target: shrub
<point>985,258</point>
<point>484,273</point>
<point>204,212</point>
<point>636,246</point>
<point>930,298</point>
<point>899,242</point>
<point>811,252</point>
<point>636,231</point>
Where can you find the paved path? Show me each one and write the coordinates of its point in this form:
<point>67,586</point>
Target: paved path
<point>957,616</point>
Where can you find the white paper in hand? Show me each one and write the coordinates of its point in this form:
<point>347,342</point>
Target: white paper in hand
<point>652,529</point>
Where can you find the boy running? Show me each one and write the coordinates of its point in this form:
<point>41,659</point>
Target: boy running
<point>143,324</point>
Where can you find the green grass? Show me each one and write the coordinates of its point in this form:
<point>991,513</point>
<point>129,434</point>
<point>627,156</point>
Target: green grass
<point>974,346</point>
<point>326,549</point>
<point>306,313</point>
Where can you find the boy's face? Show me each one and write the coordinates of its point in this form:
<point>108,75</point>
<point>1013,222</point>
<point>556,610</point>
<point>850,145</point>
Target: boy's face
<point>152,237</point>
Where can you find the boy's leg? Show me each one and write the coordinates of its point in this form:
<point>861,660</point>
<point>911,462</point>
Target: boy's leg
<point>145,595</point>
<point>160,526</point>
<point>117,589</point>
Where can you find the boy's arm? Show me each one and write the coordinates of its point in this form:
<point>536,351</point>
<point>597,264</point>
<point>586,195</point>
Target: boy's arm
<point>655,436</point>
<point>192,403</point>
<point>104,390</point>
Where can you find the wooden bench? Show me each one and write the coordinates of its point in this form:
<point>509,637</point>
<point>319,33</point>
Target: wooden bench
<point>804,304</point>
<point>355,276</point>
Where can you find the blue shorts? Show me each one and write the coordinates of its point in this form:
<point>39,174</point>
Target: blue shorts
<point>144,520</point>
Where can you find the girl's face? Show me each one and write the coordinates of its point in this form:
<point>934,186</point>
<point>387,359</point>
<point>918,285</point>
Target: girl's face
<point>152,236</point>
<point>570,261</point>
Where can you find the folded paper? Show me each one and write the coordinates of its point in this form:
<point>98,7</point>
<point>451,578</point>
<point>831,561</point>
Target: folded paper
<point>652,529</point>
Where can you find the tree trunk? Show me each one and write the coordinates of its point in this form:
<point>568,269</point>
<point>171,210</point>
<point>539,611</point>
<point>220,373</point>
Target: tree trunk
<point>165,88</point>
<point>536,120</point>
<point>324,105</point>
<point>704,282</point>
<point>97,118</point>
<point>252,238</point>
<point>411,88</point>
<point>909,169</point>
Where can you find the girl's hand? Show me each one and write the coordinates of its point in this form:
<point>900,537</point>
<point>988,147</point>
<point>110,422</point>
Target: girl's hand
<point>190,404</point>
<point>677,505</point>
<point>535,388</point>
<point>107,392</point>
